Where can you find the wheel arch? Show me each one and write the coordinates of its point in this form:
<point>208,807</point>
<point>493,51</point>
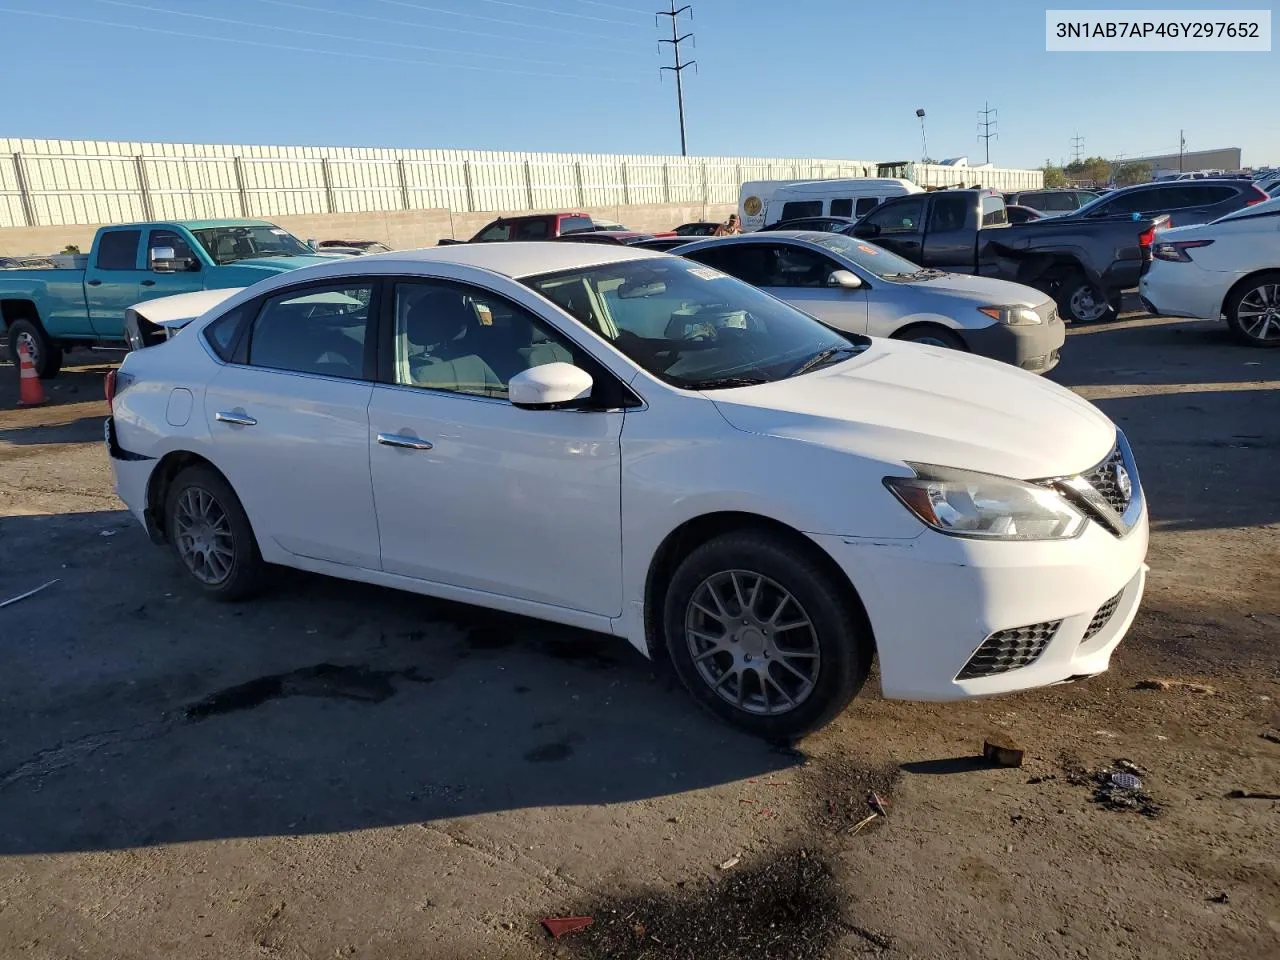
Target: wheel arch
<point>698,530</point>
<point>920,324</point>
<point>17,308</point>
<point>1248,278</point>
<point>161,479</point>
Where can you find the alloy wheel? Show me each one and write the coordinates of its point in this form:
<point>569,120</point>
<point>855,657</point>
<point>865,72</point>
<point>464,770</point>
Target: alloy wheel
<point>202,533</point>
<point>1259,312</point>
<point>752,642</point>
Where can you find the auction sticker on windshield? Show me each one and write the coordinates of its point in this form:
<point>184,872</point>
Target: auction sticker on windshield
<point>707,273</point>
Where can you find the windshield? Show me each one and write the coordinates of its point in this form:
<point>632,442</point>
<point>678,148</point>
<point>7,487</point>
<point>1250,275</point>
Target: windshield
<point>873,259</point>
<point>693,326</point>
<point>229,244</point>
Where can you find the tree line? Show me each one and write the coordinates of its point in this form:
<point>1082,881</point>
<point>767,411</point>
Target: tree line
<point>1096,170</point>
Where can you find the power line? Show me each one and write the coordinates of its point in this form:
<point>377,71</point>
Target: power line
<point>1077,147</point>
<point>560,13</point>
<point>509,23</point>
<point>428,26</point>
<point>295,49</point>
<point>679,68</point>
<point>316,33</point>
<point>608,6</point>
<point>986,123</point>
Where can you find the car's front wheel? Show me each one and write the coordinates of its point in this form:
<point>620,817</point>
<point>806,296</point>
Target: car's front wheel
<point>1253,311</point>
<point>210,533</point>
<point>764,636</point>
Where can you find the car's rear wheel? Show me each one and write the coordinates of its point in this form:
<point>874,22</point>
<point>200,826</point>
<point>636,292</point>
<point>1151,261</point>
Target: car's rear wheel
<point>46,356</point>
<point>1253,310</point>
<point>1080,300</point>
<point>764,636</point>
<point>211,536</point>
<point>933,335</point>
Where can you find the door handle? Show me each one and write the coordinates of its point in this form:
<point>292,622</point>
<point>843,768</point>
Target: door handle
<point>407,443</point>
<point>93,283</point>
<point>148,283</point>
<point>238,419</point>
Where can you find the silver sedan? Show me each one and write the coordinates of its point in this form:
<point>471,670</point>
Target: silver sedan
<point>856,286</point>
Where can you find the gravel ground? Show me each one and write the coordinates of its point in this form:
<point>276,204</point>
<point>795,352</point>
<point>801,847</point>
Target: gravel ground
<point>339,770</point>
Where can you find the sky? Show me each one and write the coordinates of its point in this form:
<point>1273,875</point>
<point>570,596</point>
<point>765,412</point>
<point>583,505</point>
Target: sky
<point>832,79</point>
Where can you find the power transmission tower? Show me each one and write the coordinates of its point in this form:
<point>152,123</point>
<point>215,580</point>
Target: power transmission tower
<point>986,123</point>
<point>1077,147</point>
<point>679,68</point>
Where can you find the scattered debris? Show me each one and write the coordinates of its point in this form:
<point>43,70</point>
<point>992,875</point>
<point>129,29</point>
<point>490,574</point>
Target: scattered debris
<point>877,804</point>
<point>879,939</point>
<point>107,533</point>
<point>1120,788</point>
<point>1220,898</point>
<point>1251,795</point>
<point>862,823</point>
<point>1166,685</point>
<point>1272,735</point>
<point>29,593</point>
<point>730,863</point>
<point>560,926</point>
<point>1042,778</point>
<point>1002,751</point>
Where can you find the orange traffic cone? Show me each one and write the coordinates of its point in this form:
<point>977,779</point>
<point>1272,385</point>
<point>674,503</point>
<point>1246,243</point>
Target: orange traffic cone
<point>30,393</point>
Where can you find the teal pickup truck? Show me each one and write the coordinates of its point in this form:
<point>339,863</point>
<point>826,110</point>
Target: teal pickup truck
<point>51,309</point>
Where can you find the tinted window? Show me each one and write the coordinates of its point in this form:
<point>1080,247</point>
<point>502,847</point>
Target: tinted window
<point>993,211</point>
<point>949,212</point>
<point>574,224</point>
<point>532,230</point>
<point>494,233</point>
<point>317,330</point>
<point>752,263</point>
<point>901,216</point>
<point>797,267</point>
<point>223,332</point>
<point>466,340</point>
<point>1219,194</point>
<point>801,208</point>
<point>118,250</point>
<point>842,208</point>
<point>168,238</point>
<point>1058,202</point>
<point>865,206</point>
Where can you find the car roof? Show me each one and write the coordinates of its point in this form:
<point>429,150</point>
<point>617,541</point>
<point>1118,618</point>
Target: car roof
<point>759,236</point>
<point>520,259</point>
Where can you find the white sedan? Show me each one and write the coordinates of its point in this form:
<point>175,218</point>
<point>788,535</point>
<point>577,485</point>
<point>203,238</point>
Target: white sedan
<point>1228,268</point>
<point>636,444</point>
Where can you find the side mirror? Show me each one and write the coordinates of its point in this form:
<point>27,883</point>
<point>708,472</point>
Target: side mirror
<point>549,386</point>
<point>845,279</point>
<point>866,230</point>
<point>163,260</point>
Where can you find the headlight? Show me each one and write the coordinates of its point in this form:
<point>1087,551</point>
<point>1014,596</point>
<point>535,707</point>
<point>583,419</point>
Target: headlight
<point>962,503</point>
<point>1015,316</point>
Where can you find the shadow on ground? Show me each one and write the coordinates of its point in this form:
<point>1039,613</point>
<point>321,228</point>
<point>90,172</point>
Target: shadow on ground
<point>137,713</point>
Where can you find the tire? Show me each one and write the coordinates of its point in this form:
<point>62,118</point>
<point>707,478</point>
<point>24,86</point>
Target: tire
<point>235,571</point>
<point>46,355</point>
<point>1082,301</point>
<point>759,566</point>
<point>1253,310</point>
<point>933,335</point>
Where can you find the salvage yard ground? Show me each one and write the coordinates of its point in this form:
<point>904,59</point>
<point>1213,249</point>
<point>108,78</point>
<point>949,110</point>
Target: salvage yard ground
<point>339,770</point>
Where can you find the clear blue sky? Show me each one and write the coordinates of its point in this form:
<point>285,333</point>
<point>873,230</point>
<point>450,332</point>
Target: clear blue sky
<point>805,78</point>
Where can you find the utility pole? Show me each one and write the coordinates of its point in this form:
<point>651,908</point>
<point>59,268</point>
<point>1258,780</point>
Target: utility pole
<point>1077,147</point>
<point>678,69</point>
<point>986,123</point>
<point>1182,146</point>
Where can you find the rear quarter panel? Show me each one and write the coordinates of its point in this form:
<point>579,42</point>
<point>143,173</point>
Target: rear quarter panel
<point>58,296</point>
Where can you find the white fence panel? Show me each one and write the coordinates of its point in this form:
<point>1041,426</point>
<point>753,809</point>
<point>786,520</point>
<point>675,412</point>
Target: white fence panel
<point>499,186</point>
<point>432,185</point>
<point>192,189</point>
<point>365,185</point>
<point>554,185</point>
<point>602,183</point>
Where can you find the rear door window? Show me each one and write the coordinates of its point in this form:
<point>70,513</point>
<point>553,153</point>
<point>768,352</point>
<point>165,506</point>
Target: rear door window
<point>538,229</point>
<point>795,209</point>
<point>316,329</point>
<point>576,224</point>
<point>223,333</point>
<point>118,250</point>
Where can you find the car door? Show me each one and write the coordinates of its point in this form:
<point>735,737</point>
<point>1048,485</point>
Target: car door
<point>901,226</point>
<point>473,492</point>
<point>949,244</point>
<point>112,281</point>
<point>289,420</point>
<point>796,273</point>
<point>182,276</point>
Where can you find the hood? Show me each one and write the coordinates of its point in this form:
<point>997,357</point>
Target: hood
<point>903,401</point>
<point>270,266</point>
<point>982,291</point>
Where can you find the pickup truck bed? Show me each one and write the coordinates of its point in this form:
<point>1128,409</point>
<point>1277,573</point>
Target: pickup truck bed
<point>1083,264</point>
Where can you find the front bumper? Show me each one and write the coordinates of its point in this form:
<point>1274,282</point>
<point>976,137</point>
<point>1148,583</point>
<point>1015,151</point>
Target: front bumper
<point>934,600</point>
<point>1035,347</point>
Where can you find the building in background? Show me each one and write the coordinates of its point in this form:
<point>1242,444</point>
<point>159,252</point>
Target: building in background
<point>1223,158</point>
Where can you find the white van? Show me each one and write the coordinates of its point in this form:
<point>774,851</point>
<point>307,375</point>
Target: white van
<point>766,202</point>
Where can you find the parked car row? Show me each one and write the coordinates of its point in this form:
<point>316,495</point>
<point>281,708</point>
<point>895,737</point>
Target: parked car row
<point>665,453</point>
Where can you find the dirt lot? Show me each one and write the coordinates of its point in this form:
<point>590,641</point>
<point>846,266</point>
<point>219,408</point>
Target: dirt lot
<point>338,770</point>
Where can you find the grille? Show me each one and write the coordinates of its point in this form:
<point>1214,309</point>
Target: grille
<point>1008,650</point>
<point>1103,616</point>
<point>1103,478</point>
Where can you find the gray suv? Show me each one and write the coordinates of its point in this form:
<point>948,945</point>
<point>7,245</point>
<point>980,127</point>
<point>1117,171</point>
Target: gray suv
<point>1052,203</point>
<point>1186,202</point>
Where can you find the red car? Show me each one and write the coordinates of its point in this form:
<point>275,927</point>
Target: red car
<point>535,226</point>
